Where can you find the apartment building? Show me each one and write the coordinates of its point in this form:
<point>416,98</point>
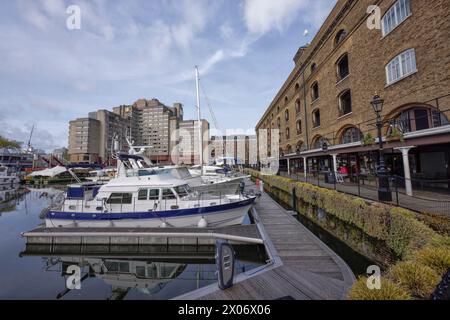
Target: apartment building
<point>150,123</point>
<point>112,128</point>
<point>323,110</point>
<point>84,140</point>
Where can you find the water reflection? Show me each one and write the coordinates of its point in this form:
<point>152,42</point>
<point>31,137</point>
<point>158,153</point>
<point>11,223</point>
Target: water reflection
<point>109,272</point>
<point>10,196</point>
<point>139,271</point>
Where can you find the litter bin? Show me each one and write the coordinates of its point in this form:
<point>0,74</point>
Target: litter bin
<point>329,177</point>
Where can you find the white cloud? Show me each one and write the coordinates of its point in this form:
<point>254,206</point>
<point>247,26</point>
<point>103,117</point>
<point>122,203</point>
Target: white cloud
<point>226,31</point>
<point>262,16</point>
<point>30,13</point>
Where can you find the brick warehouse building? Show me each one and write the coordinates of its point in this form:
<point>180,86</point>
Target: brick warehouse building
<point>323,110</point>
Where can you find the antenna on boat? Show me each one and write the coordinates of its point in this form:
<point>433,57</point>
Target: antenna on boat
<point>30,148</point>
<point>200,144</point>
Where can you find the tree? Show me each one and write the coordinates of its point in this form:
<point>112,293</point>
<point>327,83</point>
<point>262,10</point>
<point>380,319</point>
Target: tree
<point>5,143</point>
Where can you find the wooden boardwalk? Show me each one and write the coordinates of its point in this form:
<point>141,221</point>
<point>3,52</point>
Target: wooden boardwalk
<point>303,267</point>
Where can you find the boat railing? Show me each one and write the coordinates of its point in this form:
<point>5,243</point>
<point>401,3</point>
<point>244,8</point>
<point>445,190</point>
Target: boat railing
<point>192,200</point>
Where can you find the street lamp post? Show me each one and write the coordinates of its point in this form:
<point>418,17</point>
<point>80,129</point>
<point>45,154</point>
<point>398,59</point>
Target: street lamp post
<point>384,191</point>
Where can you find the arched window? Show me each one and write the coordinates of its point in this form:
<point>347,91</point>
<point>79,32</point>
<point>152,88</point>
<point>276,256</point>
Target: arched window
<point>286,100</point>
<point>420,118</point>
<point>315,91</point>
<point>340,36</point>
<point>342,67</point>
<point>278,109</point>
<point>320,142</point>
<point>288,149</point>
<point>297,106</point>
<point>313,67</point>
<point>286,115</point>
<point>281,152</point>
<point>350,135</point>
<point>299,126</point>
<point>297,88</point>
<point>345,103</point>
<point>278,122</point>
<point>316,118</point>
<point>298,147</point>
<point>288,134</point>
<point>395,15</point>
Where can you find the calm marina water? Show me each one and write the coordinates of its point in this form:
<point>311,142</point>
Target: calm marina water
<point>38,272</point>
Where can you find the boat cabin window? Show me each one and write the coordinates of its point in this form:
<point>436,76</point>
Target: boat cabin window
<point>120,267</point>
<point>182,191</point>
<point>148,194</point>
<point>120,198</point>
<point>142,194</point>
<point>168,194</point>
<point>154,194</point>
<point>145,172</point>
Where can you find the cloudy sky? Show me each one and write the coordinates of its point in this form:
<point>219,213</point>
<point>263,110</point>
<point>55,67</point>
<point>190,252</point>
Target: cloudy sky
<point>133,49</point>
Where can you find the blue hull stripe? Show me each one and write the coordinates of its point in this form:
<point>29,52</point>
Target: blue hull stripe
<point>60,215</point>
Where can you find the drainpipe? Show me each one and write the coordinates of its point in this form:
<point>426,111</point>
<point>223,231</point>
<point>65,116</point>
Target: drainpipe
<point>306,114</point>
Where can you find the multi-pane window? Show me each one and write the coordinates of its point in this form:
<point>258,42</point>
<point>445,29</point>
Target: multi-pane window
<point>343,69</point>
<point>320,142</point>
<point>401,66</point>
<point>351,135</point>
<point>395,15</point>
<point>345,103</point>
<point>299,126</point>
<point>316,118</point>
<point>315,91</point>
<point>419,118</point>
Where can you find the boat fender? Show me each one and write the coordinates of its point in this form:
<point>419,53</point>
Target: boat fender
<point>44,212</point>
<point>163,225</point>
<point>202,223</point>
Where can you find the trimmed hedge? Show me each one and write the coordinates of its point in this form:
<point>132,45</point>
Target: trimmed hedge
<point>410,239</point>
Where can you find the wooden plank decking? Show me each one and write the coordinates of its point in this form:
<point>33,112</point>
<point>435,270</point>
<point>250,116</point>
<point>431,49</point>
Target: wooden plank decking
<point>304,268</point>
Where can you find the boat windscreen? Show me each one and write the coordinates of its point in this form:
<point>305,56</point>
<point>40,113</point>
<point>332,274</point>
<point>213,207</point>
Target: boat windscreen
<point>146,172</point>
<point>183,190</point>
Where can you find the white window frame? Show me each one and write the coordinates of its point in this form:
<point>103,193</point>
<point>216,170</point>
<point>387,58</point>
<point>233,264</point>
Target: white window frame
<point>397,60</point>
<point>392,12</point>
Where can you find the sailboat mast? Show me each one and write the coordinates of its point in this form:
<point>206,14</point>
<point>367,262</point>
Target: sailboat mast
<point>200,144</point>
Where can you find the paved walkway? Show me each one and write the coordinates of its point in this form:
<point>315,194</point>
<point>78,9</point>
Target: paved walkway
<point>303,267</point>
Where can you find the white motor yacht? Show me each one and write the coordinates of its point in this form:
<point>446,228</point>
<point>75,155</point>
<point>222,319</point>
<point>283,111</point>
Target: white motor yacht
<point>150,200</point>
